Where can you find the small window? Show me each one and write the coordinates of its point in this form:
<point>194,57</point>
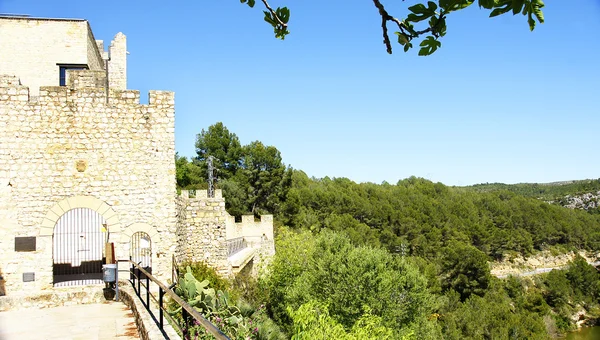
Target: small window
<point>62,73</point>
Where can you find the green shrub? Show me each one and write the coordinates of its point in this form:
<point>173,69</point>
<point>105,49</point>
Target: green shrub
<point>203,271</point>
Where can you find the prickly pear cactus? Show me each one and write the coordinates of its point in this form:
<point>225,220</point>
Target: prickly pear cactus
<point>205,300</point>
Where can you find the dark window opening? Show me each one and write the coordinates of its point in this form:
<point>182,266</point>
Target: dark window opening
<point>62,73</point>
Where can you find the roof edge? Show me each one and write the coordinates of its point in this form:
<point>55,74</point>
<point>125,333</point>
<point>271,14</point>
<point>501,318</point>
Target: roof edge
<point>23,17</point>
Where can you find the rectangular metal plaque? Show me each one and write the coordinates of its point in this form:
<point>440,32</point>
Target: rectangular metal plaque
<point>25,243</point>
<point>28,277</point>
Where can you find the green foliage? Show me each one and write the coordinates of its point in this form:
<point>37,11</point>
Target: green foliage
<point>346,278</point>
<point>253,177</point>
<point>266,177</point>
<point>313,321</point>
<point>491,316</point>
<point>204,299</point>
<point>189,175</point>
<point>408,260</point>
<point>431,15</point>
<point>223,145</point>
<point>584,279</point>
<point>558,288</point>
<point>427,216</point>
<point>465,269</point>
<point>277,18</point>
<point>201,269</point>
<point>239,320</point>
<point>546,192</point>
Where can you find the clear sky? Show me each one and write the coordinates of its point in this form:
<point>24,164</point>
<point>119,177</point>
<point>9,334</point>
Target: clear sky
<point>496,103</point>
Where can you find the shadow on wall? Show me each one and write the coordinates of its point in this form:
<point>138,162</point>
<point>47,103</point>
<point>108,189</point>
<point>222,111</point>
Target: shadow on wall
<point>2,289</point>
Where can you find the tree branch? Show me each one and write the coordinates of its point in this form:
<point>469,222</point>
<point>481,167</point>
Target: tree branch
<point>385,17</point>
<point>274,14</point>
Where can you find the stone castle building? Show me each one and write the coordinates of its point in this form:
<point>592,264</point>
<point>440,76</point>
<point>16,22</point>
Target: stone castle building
<point>83,163</point>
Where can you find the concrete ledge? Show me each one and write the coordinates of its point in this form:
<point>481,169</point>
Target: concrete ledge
<point>241,258</point>
<point>57,297</point>
<point>147,327</point>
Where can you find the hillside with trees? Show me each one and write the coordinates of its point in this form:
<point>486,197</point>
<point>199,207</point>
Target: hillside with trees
<point>404,260</point>
<point>544,191</point>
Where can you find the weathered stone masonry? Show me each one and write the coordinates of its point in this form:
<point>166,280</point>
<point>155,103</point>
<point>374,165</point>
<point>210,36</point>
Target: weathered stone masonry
<point>91,144</point>
<point>204,227</point>
<point>74,144</point>
<point>201,229</point>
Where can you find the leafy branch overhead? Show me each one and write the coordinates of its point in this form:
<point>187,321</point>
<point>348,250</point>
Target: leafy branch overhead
<point>430,17</point>
<point>278,18</point>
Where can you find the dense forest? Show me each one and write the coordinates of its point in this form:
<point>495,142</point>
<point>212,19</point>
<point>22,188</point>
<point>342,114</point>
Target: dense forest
<point>545,191</point>
<point>405,260</point>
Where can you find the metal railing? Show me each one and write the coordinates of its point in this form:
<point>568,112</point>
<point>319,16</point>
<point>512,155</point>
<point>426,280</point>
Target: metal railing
<point>235,245</point>
<point>140,278</point>
<point>174,271</point>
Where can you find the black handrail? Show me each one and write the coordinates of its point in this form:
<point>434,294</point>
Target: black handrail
<point>186,309</point>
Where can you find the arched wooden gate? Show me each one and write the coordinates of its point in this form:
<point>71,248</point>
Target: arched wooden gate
<point>78,247</point>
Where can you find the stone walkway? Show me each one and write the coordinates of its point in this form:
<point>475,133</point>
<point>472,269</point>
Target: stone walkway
<point>110,320</point>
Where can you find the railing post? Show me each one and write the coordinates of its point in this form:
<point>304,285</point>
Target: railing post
<point>184,330</point>
<point>148,291</point>
<point>138,282</point>
<point>161,294</point>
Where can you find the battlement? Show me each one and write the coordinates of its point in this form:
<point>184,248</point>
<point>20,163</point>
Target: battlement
<point>253,230</point>
<point>200,194</point>
<point>84,87</point>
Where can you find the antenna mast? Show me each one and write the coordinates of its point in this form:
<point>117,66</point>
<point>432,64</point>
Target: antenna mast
<point>211,179</point>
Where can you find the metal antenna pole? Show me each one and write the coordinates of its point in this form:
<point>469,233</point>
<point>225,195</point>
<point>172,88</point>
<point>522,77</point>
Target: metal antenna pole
<point>211,184</point>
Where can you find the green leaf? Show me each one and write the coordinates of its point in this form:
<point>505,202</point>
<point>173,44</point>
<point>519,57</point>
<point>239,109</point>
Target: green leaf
<point>487,4</point>
<point>439,25</point>
<point>418,9</point>
<point>409,27</point>
<point>233,320</point>
<point>530,21</point>
<point>431,6</point>
<point>402,38</point>
<point>537,10</point>
<point>201,285</point>
<point>456,5</point>
<point>428,46</point>
<point>517,6</point>
<point>417,18</point>
<point>268,18</point>
<point>284,14</point>
<point>420,12</point>
<point>501,10</point>
<point>407,47</point>
<point>250,3</point>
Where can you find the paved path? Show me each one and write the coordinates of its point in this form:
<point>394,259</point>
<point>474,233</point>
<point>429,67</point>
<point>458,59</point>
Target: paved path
<point>110,320</point>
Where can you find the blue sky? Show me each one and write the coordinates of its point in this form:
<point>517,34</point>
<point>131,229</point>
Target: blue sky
<point>496,103</point>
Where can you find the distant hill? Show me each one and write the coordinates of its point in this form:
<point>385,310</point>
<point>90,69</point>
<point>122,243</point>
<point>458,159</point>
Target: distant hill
<point>546,191</point>
<point>577,194</point>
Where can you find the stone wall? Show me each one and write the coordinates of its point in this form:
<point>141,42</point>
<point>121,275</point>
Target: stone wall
<point>117,66</point>
<point>74,147</point>
<point>204,226</point>
<point>49,42</point>
<point>201,229</point>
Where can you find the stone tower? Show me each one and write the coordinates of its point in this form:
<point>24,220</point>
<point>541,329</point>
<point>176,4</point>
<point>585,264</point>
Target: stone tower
<point>117,65</point>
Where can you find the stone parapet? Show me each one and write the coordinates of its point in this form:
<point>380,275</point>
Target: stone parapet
<point>201,234</point>
<point>73,143</point>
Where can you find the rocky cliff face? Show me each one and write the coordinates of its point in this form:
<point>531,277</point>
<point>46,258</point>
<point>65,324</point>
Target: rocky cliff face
<point>588,201</point>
